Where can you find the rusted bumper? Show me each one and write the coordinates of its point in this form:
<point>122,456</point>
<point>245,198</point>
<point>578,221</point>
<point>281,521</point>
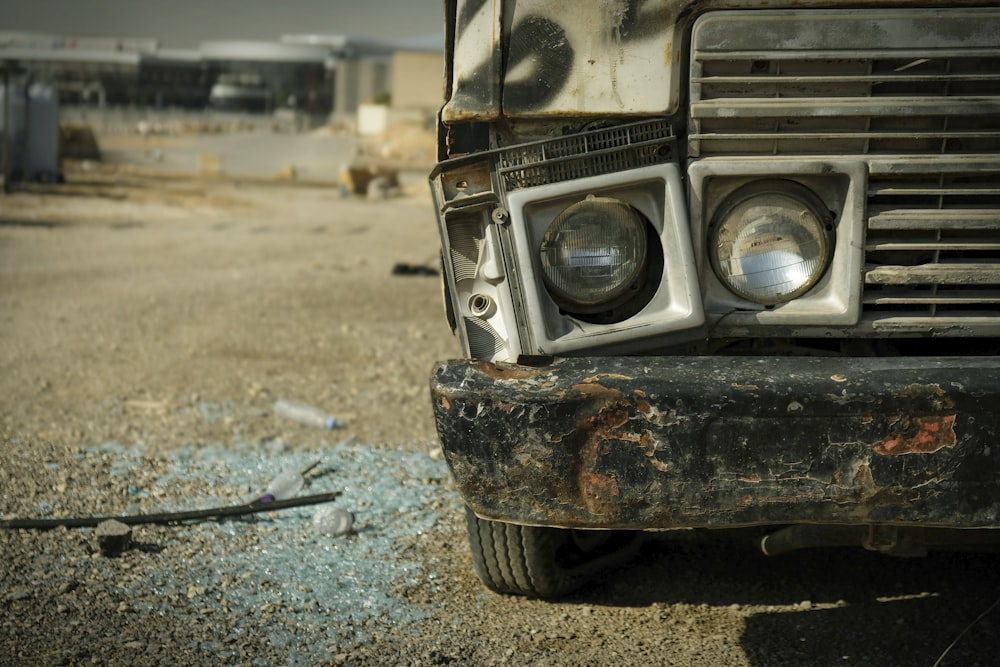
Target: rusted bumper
<point>669,442</point>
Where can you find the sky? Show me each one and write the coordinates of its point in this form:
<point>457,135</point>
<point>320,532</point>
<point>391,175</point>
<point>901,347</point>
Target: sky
<point>187,23</point>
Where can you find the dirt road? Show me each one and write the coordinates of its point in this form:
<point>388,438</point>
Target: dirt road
<point>147,324</point>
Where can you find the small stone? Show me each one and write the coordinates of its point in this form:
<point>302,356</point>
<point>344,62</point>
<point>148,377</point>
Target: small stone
<point>113,537</point>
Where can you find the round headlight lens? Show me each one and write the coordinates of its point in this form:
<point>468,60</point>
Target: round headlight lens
<point>771,246</point>
<point>594,254</point>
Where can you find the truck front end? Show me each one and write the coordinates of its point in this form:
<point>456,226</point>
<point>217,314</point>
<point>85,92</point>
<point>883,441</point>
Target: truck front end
<point>719,264</point>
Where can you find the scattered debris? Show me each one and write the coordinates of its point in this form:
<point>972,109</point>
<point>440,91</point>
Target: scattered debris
<point>286,485</point>
<point>286,173</point>
<point>307,415</point>
<point>77,142</point>
<point>113,537</point>
<point>403,269</point>
<point>331,520</point>
<point>366,180</point>
<point>209,164</point>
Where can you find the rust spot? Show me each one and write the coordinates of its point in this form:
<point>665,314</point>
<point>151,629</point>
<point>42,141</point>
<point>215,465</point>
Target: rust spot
<point>597,390</point>
<point>445,403</point>
<point>640,393</point>
<point>508,371</point>
<point>837,377</point>
<point>864,481</point>
<point>745,387</point>
<point>920,435</point>
<point>643,441</point>
<point>917,390</point>
<point>745,501</point>
<point>609,376</point>
<point>644,407</point>
<point>867,419</point>
<point>597,486</point>
<point>614,418</point>
<point>662,466</point>
<point>928,390</point>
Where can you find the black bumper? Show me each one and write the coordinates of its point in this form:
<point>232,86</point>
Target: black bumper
<point>670,442</point>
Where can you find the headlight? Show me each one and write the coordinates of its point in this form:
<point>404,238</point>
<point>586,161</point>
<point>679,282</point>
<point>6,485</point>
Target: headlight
<point>594,254</point>
<point>771,242</point>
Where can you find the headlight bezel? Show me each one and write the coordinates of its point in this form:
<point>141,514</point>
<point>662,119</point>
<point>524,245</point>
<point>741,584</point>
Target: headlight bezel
<point>780,199</point>
<point>610,298</point>
<point>835,301</point>
<point>671,312</point>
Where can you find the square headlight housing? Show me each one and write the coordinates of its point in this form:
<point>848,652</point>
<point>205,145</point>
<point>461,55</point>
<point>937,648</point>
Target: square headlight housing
<point>668,310</point>
<point>836,195</point>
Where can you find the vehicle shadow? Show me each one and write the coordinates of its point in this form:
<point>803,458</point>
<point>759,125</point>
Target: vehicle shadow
<point>828,606</point>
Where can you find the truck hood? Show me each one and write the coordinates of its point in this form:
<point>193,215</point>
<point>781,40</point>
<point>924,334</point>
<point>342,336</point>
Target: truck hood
<point>550,58</point>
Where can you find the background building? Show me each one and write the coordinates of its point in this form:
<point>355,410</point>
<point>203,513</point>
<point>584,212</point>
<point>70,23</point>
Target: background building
<point>317,76</point>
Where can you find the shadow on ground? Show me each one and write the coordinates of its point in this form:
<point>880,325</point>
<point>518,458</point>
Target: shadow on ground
<point>832,606</point>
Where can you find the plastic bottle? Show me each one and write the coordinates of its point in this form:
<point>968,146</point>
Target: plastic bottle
<point>286,485</point>
<point>331,520</point>
<point>305,414</point>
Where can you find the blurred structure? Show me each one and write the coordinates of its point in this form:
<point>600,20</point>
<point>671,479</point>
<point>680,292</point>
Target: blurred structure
<point>29,132</point>
<point>360,66</point>
<point>265,76</point>
<point>318,78</point>
<point>417,74</point>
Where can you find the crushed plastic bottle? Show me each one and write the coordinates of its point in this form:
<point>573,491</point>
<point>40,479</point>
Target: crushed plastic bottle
<point>286,485</point>
<point>332,520</point>
<point>307,415</point>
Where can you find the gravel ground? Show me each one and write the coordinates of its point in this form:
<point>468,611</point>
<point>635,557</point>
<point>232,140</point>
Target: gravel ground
<point>147,325</point>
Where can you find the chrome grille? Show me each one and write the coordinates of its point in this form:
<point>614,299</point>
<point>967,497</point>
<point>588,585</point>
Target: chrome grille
<point>933,243</point>
<point>757,88</point>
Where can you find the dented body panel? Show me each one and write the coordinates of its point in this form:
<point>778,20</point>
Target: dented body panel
<point>538,59</point>
<point>672,442</point>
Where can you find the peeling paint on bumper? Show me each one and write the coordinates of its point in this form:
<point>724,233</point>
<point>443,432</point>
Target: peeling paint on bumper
<point>672,442</point>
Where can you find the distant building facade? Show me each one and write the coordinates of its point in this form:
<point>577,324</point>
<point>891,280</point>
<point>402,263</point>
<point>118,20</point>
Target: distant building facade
<point>417,79</point>
<point>318,75</point>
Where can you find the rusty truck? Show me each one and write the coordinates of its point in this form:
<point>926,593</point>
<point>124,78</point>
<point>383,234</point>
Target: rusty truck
<point>719,264</point>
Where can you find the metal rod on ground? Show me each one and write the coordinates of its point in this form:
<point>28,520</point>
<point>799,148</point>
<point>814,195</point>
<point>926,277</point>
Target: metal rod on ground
<point>254,507</point>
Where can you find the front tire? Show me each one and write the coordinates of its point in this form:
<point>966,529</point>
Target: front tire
<point>543,562</point>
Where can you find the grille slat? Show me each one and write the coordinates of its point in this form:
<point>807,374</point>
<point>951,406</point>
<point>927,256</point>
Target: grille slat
<point>933,245</point>
<point>931,219</point>
<point>948,297</point>
<point>897,52</point>
<point>780,81</point>
<point>935,274</point>
<point>735,109</point>
<point>907,191</point>
<point>949,246</point>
